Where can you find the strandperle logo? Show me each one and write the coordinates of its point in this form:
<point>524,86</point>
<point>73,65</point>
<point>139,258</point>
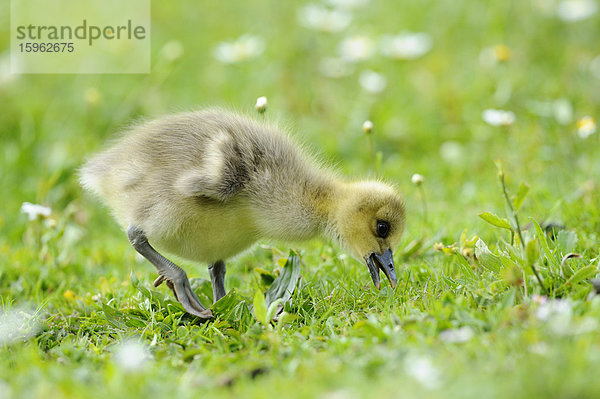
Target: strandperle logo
<point>83,31</point>
<point>74,36</point>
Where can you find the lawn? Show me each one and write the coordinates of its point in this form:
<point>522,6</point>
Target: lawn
<point>493,104</point>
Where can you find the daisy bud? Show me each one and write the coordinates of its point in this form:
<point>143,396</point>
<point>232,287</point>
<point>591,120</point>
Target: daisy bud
<point>261,104</point>
<point>367,127</point>
<point>417,179</point>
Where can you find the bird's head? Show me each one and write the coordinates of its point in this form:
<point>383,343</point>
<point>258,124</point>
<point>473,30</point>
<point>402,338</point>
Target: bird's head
<point>368,223</point>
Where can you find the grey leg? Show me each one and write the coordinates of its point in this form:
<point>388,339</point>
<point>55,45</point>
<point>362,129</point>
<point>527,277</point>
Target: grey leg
<point>217,278</point>
<point>168,271</point>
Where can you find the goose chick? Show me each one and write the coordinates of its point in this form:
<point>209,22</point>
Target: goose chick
<point>206,185</point>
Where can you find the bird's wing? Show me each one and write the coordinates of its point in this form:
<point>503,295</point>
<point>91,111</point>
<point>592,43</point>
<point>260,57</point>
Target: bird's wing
<point>222,169</point>
<point>199,183</point>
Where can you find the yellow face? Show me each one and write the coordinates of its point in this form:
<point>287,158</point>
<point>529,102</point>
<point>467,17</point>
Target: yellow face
<point>370,222</point>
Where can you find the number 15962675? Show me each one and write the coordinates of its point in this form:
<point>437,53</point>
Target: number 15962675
<point>46,47</point>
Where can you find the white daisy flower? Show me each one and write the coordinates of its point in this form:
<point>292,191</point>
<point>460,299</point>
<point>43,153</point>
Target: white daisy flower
<point>131,355</point>
<point>497,117</point>
<point>586,126</point>
<point>318,17</point>
<point>246,47</point>
<point>34,210</point>
<point>372,81</point>
<point>406,45</point>
<point>451,151</point>
<point>457,335</point>
<point>422,370</point>
<point>562,111</point>
<point>490,56</point>
<point>576,10</point>
<point>356,48</point>
<point>554,308</point>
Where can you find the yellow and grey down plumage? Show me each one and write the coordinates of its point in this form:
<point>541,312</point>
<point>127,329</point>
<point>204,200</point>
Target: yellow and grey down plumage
<point>206,185</point>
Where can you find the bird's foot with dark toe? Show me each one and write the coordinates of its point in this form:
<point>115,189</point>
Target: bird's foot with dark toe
<point>184,294</point>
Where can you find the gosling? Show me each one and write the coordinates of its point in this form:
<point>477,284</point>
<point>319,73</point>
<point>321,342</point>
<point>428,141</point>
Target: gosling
<point>207,185</point>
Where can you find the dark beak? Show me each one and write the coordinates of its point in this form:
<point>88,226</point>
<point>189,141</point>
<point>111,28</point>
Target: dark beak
<point>384,262</point>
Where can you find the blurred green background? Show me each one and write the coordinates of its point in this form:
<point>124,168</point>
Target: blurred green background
<point>424,72</point>
<point>430,104</point>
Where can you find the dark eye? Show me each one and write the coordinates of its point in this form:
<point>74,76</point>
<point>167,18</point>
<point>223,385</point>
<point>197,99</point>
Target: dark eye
<point>383,228</point>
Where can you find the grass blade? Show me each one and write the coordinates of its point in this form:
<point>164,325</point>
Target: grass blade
<point>495,220</point>
<point>521,195</point>
<point>284,285</point>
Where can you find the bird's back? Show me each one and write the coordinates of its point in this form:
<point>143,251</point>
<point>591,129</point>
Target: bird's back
<point>161,173</point>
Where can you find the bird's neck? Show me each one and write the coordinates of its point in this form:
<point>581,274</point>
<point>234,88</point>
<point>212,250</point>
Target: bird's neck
<point>327,199</point>
<point>300,211</point>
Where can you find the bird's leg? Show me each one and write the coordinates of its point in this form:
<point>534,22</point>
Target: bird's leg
<point>217,278</point>
<point>168,271</point>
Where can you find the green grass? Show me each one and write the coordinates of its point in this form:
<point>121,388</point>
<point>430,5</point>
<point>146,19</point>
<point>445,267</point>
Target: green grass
<point>466,320</point>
